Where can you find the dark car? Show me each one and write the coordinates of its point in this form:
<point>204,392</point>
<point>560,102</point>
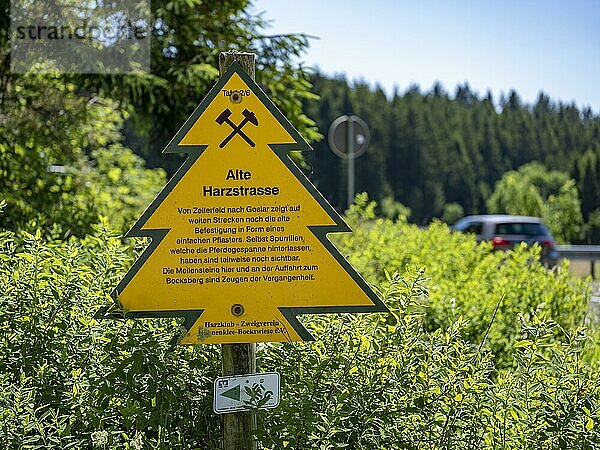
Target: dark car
<point>504,231</point>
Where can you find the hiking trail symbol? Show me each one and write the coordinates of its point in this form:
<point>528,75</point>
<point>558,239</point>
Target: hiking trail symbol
<point>241,392</point>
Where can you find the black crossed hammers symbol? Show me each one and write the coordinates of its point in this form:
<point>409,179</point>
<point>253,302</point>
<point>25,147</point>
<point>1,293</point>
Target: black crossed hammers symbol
<point>249,116</point>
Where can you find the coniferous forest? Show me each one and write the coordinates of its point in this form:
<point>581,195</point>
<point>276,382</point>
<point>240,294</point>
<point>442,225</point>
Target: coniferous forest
<point>441,154</point>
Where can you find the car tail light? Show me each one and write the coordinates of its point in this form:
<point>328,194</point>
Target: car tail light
<point>547,243</point>
<point>500,242</point>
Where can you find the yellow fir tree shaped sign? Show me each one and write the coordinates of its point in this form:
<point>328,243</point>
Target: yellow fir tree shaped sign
<point>238,235</point>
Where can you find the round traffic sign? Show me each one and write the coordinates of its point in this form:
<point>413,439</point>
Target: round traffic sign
<point>348,136</point>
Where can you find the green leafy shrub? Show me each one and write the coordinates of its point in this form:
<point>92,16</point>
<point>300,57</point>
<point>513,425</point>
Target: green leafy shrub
<point>67,381</point>
<point>420,377</point>
<point>465,279</point>
<point>453,212</point>
<point>533,190</point>
<point>375,383</point>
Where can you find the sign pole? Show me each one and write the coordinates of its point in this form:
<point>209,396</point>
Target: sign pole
<point>350,145</point>
<point>238,359</point>
<point>349,138</point>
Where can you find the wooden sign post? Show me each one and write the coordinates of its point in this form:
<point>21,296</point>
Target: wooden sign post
<point>238,359</point>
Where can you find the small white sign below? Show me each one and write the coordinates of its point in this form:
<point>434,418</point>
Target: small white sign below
<point>243,392</point>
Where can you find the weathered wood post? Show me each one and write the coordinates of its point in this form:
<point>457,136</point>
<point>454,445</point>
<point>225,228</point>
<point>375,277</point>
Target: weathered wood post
<point>238,359</point>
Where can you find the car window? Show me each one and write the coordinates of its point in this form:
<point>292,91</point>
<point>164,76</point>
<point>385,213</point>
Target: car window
<point>527,229</point>
<point>472,227</point>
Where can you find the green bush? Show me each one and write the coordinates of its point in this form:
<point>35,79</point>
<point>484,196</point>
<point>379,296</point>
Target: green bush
<point>375,383</point>
<point>534,190</point>
<point>67,381</point>
<point>466,279</point>
<point>427,376</point>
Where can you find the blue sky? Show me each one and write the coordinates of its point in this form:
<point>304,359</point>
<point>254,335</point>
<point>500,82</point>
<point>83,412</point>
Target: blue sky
<point>528,45</point>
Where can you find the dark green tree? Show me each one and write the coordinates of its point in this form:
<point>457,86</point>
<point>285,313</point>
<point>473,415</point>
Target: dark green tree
<point>438,149</point>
